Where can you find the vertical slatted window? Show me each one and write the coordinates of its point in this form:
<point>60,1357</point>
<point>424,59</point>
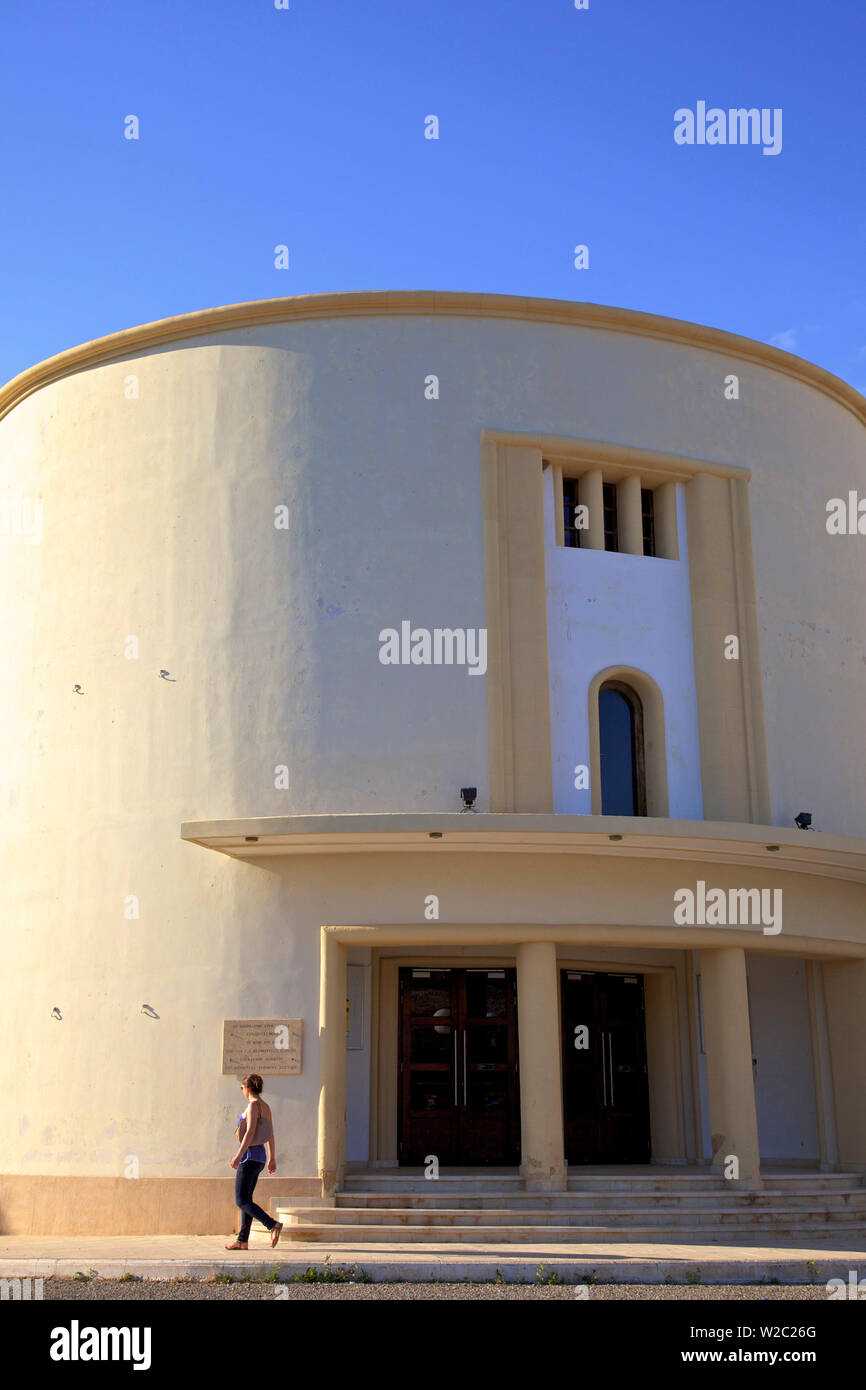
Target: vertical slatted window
<point>571,534</point>
<point>569,503</point>
<point>648,519</point>
<point>611,537</point>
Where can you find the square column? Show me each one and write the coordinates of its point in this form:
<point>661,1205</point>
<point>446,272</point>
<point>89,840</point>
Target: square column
<point>332,1064</point>
<point>845,995</point>
<point>665,507</point>
<point>590,494</point>
<point>629,516</point>
<point>733,1118</point>
<point>541,1126</point>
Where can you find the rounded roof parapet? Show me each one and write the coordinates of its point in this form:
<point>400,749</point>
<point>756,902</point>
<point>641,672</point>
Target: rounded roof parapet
<point>421,303</point>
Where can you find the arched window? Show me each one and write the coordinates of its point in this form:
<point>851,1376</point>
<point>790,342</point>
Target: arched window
<point>621,749</point>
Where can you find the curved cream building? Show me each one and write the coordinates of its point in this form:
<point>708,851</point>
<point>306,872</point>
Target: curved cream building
<point>279,580</point>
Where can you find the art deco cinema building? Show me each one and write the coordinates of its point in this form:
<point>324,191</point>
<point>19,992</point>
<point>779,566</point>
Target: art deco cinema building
<point>280,580</point>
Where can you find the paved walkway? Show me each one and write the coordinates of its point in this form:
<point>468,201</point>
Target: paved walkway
<point>170,1257</point>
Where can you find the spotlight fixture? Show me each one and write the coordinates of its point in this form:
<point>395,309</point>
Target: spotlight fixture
<point>468,795</point>
<point>804,820</point>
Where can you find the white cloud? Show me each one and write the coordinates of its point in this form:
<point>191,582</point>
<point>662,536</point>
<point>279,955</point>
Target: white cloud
<point>787,339</point>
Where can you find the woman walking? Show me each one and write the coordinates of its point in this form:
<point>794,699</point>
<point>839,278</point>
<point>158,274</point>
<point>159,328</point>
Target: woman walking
<point>255,1130</point>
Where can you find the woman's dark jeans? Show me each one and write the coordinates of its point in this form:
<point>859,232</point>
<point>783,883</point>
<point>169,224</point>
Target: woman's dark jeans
<point>246,1177</point>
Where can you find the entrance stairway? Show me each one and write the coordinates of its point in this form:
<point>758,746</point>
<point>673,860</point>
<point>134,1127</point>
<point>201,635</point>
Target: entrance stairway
<point>647,1205</point>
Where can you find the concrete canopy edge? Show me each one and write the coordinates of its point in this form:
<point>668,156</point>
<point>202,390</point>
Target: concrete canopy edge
<point>798,851</point>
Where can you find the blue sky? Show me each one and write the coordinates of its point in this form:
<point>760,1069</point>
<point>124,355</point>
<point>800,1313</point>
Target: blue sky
<point>305,127</point>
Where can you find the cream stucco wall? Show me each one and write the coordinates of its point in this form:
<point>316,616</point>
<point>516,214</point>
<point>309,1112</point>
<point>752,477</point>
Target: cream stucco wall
<point>158,525</point>
<point>170,498</point>
<point>220,938</point>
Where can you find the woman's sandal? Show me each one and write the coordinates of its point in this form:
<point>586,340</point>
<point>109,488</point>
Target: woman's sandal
<point>237,1246</point>
<point>275,1233</point>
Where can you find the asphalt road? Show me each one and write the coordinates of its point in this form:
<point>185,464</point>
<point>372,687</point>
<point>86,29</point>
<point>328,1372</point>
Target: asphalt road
<point>138,1290</point>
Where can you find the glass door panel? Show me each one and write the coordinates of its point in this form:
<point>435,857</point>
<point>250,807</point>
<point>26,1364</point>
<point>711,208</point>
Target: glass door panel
<point>459,1097</point>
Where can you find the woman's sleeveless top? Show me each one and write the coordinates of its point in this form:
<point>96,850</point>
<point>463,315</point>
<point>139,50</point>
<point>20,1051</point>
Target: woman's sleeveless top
<point>264,1129</point>
<point>262,1132</point>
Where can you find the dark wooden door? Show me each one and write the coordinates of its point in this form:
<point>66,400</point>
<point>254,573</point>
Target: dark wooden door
<point>604,1073</point>
<point>459,1096</point>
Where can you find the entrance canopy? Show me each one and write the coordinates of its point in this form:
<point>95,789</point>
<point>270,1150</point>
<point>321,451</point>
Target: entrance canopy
<point>790,850</point>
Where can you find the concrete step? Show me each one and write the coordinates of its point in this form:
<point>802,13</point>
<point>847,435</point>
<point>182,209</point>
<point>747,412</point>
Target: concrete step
<point>322,1233</point>
<point>393,1180</point>
<point>779,1182</point>
<point>390,1181</point>
<point>398,1206</point>
<point>684,1216</point>
<point>672,1198</point>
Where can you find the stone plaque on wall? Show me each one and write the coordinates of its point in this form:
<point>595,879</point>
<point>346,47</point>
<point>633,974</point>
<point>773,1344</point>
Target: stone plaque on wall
<point>269,1046</point>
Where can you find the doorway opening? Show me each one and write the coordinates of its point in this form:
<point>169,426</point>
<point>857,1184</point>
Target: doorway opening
<point>459,1096</point>
<point>605,1088</point>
